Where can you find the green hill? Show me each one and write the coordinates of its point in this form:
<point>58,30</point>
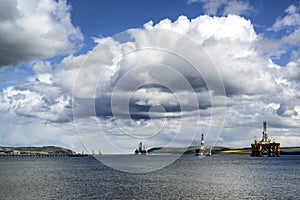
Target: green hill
<point>41,150</point>
<point>180,150</point>
<point>290,151</point>
<point>172,150</point>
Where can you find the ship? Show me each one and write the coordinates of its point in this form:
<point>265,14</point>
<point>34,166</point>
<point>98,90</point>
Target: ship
<point>73,154</point>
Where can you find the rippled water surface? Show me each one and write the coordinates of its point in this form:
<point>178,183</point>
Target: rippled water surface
<point>215,177</point>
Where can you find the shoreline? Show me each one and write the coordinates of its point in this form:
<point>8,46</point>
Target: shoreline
<point>54,151</point>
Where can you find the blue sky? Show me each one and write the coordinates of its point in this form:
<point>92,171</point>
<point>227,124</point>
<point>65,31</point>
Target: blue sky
<point>67,80</point>
<point>111,17</point>
<point>107,18</point>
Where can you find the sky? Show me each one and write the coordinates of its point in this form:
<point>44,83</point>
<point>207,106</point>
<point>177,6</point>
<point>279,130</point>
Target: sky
<point>107,74</point>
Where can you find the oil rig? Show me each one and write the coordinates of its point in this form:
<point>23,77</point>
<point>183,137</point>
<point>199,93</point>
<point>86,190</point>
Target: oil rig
<point>265,146</point>
<point>142,149</point>
<point>202,150</point>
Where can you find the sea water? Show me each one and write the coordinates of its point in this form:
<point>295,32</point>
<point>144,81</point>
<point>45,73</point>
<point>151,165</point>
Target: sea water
<point>189,177</point>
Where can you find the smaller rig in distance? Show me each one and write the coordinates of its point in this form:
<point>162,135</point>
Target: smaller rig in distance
<point>142,149</point>
<point>202,150</point>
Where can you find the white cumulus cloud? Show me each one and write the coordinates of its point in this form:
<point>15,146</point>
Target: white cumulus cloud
<point>292,18</point>
<point>35,29</point>
<point>224,7</point>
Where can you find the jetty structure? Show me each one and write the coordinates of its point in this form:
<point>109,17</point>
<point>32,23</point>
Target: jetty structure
<point>265,146</point>
<point>202,150</point>
<point>142,149</point>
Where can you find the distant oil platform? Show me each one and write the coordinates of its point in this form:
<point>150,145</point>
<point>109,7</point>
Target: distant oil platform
<point>265,146</point>
<point>94,152</point>
<point>142,149</point>
<point>202,150</point>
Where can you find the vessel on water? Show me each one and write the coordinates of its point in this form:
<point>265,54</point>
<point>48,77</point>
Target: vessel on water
<point>78,154</point>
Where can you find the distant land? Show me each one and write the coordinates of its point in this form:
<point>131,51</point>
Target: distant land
<point>60,151</point>
<point>37,151</point>
<point>218,150</point>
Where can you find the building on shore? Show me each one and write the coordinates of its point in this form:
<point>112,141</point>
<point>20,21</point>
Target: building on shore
<point>265,146</point>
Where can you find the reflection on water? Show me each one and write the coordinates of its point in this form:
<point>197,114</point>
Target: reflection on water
<point>214,177</point>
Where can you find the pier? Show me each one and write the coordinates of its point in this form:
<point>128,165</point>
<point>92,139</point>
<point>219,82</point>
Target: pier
<point>33,155</point>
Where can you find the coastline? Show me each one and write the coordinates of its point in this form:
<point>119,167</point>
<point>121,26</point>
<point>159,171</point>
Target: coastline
<point>217,150</point>
<point>44,151</point>
<point>48,151</point>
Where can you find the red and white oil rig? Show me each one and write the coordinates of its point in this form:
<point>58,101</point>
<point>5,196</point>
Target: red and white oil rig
<point>265,146</point>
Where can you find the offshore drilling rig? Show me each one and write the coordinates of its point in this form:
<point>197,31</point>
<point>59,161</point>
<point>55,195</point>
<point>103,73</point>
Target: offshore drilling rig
<point>142,149</point>
<point>265,146</point>
<point>202,150</point>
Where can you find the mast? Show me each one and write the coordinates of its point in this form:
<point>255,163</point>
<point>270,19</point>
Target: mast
<point>202,139</point>
<point>264,133</point>
<point>140,147</point>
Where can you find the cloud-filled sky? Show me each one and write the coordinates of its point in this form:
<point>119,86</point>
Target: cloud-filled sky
<point>107,74</point>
